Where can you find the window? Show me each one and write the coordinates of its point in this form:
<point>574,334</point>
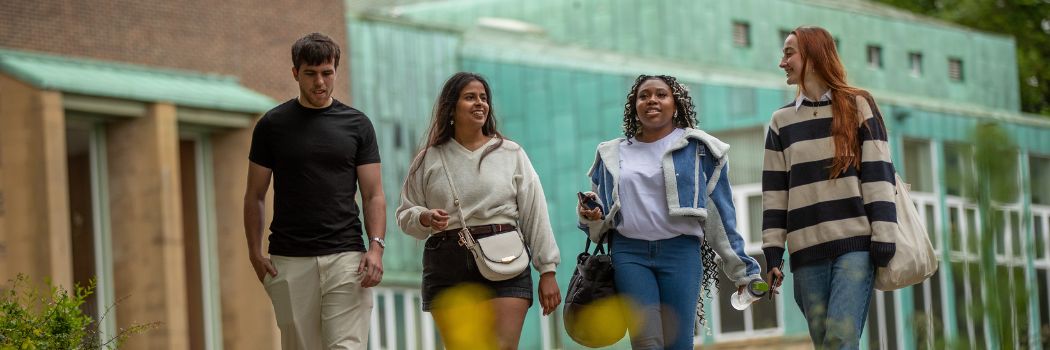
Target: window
<point>955,69</point>
<point>972,238</point>
<point>929,211</point>
<point>1040,232</point>
<point>1015,235</point>
<point>882,322</point>
<point>959,170</point>
<point>741,34</point>
<point>875,56</point>
<point>955,228</point>
<point>760,318</point>
<point>784,35</point>
<point>747,156</point>
<point>927,317</point>
<point>199,241</point>
<point>754,217</point>
<point>915,63</point>
<point>1039,173</point>
<point>999,230</point>
<point>1044,298</point>
<point>89,219</point>
<point>918,170</point>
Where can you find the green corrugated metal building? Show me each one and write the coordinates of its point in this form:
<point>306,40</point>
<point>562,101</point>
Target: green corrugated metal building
<point>560,70</point>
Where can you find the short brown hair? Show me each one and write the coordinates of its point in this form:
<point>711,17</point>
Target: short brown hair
<point>314,49</point>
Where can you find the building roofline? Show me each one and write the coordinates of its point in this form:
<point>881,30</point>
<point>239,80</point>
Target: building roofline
<point>863,7</point>
<point>93,77</point>
<point>537,51</point>
<point>868,7</point>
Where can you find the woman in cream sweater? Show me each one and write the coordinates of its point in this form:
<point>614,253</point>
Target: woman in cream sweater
<point>498,191</point>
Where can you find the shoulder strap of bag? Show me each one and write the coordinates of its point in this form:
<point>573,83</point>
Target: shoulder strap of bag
<point>598,248</point>
<point>455,195</point>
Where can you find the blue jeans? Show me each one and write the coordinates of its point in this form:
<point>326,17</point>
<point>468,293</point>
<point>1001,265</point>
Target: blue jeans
<point>834,295</point>
<point>662,278</point>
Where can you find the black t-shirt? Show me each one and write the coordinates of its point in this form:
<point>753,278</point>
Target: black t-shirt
<point>314,155</point>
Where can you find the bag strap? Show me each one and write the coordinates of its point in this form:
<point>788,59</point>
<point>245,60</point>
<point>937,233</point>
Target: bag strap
<point>466,239</point>
<point>455,194</point>
<point>598,248</point>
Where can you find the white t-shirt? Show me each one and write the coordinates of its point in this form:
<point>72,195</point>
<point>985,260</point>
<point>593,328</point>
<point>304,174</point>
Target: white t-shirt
<point>643,194</point>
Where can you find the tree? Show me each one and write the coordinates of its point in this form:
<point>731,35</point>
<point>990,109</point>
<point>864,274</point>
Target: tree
<point>1028,21</point>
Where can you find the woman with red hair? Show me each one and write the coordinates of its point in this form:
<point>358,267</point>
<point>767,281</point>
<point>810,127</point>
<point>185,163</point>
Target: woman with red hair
<point>827,191</point>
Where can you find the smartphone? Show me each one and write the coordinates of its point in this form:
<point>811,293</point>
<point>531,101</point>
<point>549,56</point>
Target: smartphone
<point>775,283</point>
<point>587,202</point>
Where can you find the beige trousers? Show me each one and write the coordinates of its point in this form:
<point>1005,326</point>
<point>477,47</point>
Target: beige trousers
<point>319,301</point>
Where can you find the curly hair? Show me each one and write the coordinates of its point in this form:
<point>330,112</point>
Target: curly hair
<point>709,281</point>
<point>685,115</point>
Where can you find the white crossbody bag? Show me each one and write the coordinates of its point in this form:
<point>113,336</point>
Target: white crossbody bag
<point>499,257</point>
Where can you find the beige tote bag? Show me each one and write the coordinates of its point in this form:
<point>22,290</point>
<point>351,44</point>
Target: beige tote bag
<point>914,260</point>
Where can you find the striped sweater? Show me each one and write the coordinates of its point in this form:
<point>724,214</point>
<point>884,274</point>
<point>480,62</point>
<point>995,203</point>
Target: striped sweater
<point>818,218</point>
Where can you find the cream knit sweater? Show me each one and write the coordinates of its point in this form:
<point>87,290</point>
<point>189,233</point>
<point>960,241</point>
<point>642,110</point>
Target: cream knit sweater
<point>505,191</point>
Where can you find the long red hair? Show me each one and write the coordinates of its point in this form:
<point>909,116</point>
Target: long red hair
<point>817,50</point>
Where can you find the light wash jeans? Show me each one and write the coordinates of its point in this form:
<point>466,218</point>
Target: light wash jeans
<point>663,279</point>
<point>834,295</point>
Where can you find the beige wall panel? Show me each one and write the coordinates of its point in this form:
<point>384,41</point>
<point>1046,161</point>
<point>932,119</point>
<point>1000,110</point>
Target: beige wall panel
<point>247,315</point>
<point>35,191</point>
<point>146,220</point>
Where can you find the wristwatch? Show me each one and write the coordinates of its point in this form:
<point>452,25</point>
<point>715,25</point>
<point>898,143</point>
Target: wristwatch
<point>381,241</point>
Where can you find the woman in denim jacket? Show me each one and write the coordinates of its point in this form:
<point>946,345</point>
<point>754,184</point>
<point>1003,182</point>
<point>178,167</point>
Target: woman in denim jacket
<point>666,207</point>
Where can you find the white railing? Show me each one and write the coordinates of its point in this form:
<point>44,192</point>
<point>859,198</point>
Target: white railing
<point>417,327</point>
<point>398,311</point>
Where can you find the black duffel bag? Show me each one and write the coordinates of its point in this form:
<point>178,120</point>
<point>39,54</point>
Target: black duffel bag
<point>592,286</point>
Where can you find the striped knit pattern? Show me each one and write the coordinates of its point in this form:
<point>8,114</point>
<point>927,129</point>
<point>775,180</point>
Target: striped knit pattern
<point>818,218</point>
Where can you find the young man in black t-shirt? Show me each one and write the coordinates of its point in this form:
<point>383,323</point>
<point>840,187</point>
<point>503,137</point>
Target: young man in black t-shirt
<point>318,152</point>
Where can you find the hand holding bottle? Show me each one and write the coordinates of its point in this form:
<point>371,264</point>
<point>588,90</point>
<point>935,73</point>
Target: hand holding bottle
<point>754,291</point>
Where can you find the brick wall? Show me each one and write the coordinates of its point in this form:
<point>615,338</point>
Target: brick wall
<point>249,39</point>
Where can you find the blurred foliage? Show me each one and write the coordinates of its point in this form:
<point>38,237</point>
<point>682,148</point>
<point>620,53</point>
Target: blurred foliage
<point>995,157</point>
<point>33,319</point>
<point>1003,296</point>
<point>1028,21</point>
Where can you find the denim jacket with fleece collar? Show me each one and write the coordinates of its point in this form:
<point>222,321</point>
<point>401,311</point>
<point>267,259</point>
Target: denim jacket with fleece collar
<point>696,184</point>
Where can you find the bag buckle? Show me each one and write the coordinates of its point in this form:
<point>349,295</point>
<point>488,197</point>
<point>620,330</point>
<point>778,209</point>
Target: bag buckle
<point>466,239</point>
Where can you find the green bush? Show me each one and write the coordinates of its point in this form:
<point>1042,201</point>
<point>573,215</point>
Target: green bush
<point>31,320</point>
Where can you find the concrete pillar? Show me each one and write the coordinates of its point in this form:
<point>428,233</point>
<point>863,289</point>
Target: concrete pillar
<point>34,212</point>
<point>247,315</point>
<point>146,220</point>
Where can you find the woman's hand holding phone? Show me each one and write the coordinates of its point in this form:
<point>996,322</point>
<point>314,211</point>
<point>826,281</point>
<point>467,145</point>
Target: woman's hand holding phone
<point>588,207</point>
<point>775,278</point>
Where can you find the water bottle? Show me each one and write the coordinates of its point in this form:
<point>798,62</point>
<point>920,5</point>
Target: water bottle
<point>754,291</point>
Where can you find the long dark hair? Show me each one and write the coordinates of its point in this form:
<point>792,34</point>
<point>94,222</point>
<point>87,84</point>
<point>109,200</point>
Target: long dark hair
<point>442,131</point>
<point>817,48</point>
<point>685,115</point>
